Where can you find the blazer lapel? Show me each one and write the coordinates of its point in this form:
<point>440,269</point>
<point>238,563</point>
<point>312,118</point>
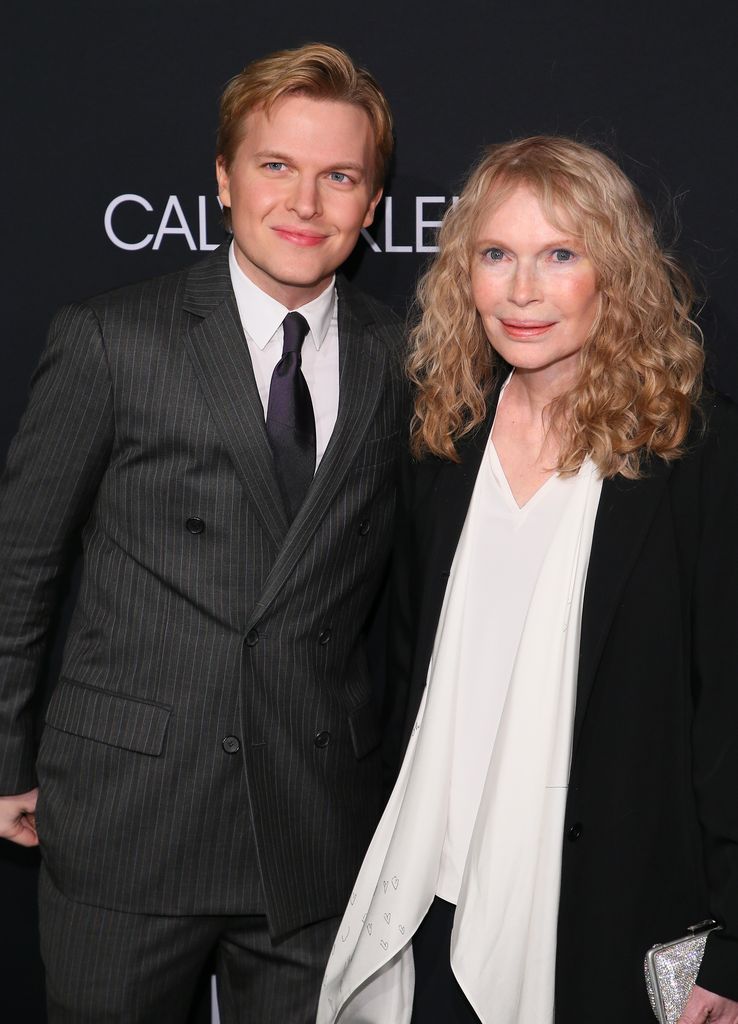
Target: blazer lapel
<point>220,356</point>
<point>362,374</point>
<point>624,515</point>
<point>453,493</point>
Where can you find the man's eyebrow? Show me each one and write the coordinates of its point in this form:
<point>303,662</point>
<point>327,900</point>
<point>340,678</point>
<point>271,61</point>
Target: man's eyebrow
<point>272,154</point>
<point>350,165</point>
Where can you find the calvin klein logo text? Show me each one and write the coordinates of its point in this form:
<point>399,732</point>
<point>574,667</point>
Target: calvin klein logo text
<point>133,222</point>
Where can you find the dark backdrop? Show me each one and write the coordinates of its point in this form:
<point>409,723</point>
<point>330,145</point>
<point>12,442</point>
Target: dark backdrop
<point>105,101</point>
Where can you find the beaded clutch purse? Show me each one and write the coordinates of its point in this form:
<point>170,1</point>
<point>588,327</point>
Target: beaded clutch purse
<point>671,969</point>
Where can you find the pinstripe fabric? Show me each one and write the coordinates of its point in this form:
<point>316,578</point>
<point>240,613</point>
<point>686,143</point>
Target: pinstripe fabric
<point>145,416</point>
<point>157,961</point>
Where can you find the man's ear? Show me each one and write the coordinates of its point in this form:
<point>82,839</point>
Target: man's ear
<point>369,218</point>
<point>224,181</point>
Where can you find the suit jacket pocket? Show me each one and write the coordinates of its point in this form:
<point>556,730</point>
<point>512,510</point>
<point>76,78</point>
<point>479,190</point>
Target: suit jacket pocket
<point>108,717</point>
<point>364,729</point>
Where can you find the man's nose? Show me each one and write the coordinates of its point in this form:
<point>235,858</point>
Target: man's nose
<point>305,198</point>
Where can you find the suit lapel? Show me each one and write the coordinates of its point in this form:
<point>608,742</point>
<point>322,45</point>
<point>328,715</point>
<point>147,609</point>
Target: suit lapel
<point>362,372</point>
<point>220,356</point>
<point>453,491</point>
<point>624,515</point>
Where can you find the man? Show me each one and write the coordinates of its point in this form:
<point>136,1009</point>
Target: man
<point>209,771</point>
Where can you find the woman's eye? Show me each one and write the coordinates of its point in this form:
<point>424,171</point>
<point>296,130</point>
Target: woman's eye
<point>563,255</point>
<point>494,254</point>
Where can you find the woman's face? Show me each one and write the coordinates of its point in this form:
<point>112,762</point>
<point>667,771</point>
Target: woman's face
<point>533,286</point>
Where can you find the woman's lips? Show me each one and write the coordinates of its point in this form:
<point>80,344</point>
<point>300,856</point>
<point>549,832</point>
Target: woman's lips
<point>526,328</point>
<point>306,238</point>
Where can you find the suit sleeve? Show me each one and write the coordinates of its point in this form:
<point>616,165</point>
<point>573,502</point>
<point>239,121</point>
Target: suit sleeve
<point>715,670</point>
<point>53,471</point>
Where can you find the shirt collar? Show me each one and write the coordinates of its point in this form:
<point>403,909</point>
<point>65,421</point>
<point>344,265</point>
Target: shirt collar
<point>262,316</point>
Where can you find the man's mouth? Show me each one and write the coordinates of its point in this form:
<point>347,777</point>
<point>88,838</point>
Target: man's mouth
<point>299,236</point>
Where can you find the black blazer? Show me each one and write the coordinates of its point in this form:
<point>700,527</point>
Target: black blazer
<point>650,843</point>
<point>212,745</point>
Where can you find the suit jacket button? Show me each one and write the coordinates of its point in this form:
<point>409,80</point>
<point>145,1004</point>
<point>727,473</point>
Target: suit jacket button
<point>324,637</point>
<point>574,831</point>
<point>364,527</point>
<point>231,744</point>
<point>195,525</point>
<point>252,638</point>
<point>322,738</point>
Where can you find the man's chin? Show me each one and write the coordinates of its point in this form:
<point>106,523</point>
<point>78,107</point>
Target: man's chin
<point>297,288</point>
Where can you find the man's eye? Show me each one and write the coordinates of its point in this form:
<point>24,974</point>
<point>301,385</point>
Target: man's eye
<point>339,176</point>
<point>274,165</point>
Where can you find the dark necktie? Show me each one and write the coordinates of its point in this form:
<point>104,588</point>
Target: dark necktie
<point>290,422</point>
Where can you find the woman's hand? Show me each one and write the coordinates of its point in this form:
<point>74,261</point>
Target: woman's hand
<point>704,1006</point>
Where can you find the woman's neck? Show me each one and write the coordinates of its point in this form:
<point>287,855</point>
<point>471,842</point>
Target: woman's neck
<point>527,447</point>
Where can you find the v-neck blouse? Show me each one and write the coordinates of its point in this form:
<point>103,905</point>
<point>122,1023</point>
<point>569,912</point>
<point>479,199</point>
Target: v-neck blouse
<point>509,544</point>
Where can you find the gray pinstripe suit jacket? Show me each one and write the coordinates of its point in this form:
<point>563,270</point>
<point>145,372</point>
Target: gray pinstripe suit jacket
<point>144,417</point>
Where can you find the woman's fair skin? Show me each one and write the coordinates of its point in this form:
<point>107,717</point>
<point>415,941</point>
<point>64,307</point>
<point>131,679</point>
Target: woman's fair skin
<point>536,292</point>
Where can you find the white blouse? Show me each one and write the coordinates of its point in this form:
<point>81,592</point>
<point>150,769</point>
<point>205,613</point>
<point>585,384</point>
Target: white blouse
<point>509,544</point>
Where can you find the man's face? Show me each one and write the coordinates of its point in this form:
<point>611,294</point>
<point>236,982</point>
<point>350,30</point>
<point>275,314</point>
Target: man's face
<point>300,189</point>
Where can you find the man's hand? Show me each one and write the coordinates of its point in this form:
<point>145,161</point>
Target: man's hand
<point>705,1006</point>
<point>18,818</point>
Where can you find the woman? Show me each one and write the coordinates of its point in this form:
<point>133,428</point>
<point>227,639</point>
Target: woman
<point>567,587</point>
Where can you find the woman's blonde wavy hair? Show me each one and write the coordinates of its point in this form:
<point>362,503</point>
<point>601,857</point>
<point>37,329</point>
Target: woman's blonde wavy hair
<point>641,365</point>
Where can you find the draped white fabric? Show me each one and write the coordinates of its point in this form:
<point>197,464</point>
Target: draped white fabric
<point>503,945</point>
<point>510,544</point>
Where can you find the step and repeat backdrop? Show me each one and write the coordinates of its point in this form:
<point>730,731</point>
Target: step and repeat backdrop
<point>109,127</point>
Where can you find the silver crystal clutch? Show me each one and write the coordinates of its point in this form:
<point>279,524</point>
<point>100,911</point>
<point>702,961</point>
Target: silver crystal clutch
<point>671,970</point>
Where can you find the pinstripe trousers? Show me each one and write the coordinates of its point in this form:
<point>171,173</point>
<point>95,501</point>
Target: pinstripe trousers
<point>125,968</point>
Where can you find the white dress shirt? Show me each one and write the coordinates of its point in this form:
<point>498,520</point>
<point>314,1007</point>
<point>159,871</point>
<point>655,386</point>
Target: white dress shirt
<point>261,319</point>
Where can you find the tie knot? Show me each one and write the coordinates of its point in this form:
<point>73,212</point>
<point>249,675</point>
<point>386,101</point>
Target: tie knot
<point>295,330</point>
